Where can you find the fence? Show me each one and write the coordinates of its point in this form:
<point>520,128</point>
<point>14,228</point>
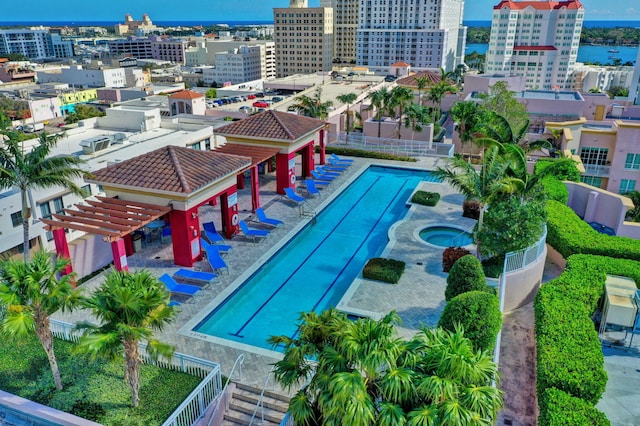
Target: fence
<point>402,147</point>
<point>194,406</point>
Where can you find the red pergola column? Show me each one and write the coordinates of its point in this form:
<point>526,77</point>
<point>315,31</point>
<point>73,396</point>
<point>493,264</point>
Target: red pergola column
<point>229,211</point>
<point>285,171</point>
<point>119,255</point>
<point>62,247</point>
<point>323,155</point>
<point>307,160</point>
<point>128,244</point>
<point>185,234</point>
<point>240,180</point>
<point>255,188</point>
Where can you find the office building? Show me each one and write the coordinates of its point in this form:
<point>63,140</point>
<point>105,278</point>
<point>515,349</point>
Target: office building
<point>536,39</point>
<point>152,47</point>
<point>345,25</point>
<point>304,39</point>
<point>247,63</point>
<point>424,34</point>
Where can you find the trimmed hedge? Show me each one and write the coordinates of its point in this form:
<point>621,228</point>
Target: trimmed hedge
<point>387,270</point>
<point>555,189</point>
<point>558,408</point>
<point>365,154</point>
<point>570,235</point>
<point>465,275</point>
<point>479,314</point>
<point>425,198</point>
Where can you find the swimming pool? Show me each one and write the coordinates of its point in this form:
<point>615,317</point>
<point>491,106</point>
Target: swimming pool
<point>315,268</point>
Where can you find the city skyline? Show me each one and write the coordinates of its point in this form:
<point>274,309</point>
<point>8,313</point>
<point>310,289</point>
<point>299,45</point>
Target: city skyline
<point>217,11</point>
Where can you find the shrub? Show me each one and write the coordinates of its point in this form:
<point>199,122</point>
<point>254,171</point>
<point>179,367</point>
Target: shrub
<point>479,314</point>
<point>425,198</point>
<point>564,169</point>
<point>366,154</point>
<point>493,266</point>
<point>465,275</point>
<point>558,408</point>
<point>555,189</point>
<point>471,209</point>
<point>450,255</point>
<point>569,234</point>
<point>380,269</point>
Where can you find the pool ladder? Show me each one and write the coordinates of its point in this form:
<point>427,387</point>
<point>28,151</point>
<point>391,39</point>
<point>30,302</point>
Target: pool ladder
<point>306,213</point>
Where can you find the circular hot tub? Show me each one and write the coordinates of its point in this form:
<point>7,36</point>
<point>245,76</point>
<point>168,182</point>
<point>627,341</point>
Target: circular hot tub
<point>445,236</point>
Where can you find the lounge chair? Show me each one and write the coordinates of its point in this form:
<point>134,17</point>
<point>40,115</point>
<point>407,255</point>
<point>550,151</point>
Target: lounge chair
<point>222,248</point>
<point>318,176</point>
<point>290,195</point>
<point>262,218</point>
<point>337,164</point>
<point>252,233</point>
<point>200,277</point>
<point>341,160</point>
<point>326,171</point>
<point>174,287</point>
<point>214,259</point>
<point>165,233</point>
<point>311,187</point>
<point>174,303</point>
<point>211,233</point>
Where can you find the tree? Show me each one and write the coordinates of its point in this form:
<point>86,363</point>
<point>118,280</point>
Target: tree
<point>422,82</point>
<point>211,93</point>
<point>498,129</point>
<point>348,99</point>
<point>436,93</point>
<point>400,98</point>
<point>465,275</point>
<point>620,91</point>
<point>363,374</point>
<point>313,106</point>
<point>129,308</point>
<point>31,291</point>
<point>467,115</point>
<point>82,112</point>
<point>379,101</point>
<point>36,169</point>
<point>503,102</point>
<point>633,214</point>
<point>415,117</point>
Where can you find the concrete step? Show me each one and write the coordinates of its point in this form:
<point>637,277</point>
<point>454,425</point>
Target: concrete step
<point>270,394</point>
<point>233,417</point>
<point>244,401</point>
<point>267,402</point>
<point>247,408</point>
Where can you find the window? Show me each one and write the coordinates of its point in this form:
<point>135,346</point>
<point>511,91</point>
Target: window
<point>592,180</point>
<point>46,211</point>
<point>594,156</point>
<point>16,219</point>
<point>632,162</point>
<point>627,185</point>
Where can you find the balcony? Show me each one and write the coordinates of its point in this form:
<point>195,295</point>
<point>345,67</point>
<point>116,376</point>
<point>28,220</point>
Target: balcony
<point>596,170</point>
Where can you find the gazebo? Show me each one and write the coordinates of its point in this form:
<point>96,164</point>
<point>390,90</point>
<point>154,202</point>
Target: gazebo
<point>285,134</point>
<point>170,181</point>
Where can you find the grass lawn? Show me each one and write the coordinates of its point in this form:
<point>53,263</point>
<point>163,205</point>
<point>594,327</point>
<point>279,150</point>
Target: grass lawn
<point>92,389</point>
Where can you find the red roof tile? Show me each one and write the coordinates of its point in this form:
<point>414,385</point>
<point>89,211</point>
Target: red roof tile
<point>273,125</point>
<point>401,64</point>
<point>186,94</point>
<point>171,169</point>
<point>410,81</point>
<point>539,5</point>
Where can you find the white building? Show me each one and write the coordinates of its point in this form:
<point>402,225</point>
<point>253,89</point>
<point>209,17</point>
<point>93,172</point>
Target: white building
<point>425,34</point>
<point>78,76</point>
<point>589,77</point>
<point>34,43</point>
<point>536,39</point>
<point>345,25</point>
<point>635,83</point>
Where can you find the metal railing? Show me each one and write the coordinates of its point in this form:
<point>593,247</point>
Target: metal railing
<point>403,147</point>
<point>260,403</point>
<point>596,170</point>
<point>237,363</point>
<point>195,405</point>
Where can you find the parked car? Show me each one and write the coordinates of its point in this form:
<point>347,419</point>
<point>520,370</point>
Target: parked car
<point>390,78</point>
<point>251,96</point>
<point>260,104</point>
<point>277,99</point>
<point>351,74</point>
<point>235,99</point>
<point>259,95</point>
<point>245,108</point>
<point>268,101</point>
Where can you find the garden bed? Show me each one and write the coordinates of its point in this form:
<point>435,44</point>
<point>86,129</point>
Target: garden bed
<point>386,270</point>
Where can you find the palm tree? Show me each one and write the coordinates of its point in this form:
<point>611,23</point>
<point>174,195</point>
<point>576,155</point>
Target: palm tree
<point>129,307</point>
<point>467,115</point>
<point>422,82</point>
<point>348,99</point>
<point>436,93</point>
<point>634,213</point>
<point>400,99</point>
<point>415,117</point>
<point>361,373</point>
<point>497,128</point>
<point>36,168</point>
<point>379,100</point>
<point>31,292</point>
<point>313,106</point>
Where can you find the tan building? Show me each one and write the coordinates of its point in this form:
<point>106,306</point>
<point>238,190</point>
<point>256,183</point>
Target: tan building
<point>345,24</point>
<point>130,26</point>
<point>304,38</point>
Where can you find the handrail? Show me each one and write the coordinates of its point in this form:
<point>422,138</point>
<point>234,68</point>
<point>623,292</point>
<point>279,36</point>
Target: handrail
<point>237,363</point>
<point>261,399</point>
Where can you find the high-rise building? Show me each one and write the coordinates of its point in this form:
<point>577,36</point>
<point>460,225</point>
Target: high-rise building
<point>34,43</point>
<point>304,38</point>
<point>634,91</point>
<point>246,63</point>
<point>424,34</point>
<point>536,39</point>
<point>345,25</point>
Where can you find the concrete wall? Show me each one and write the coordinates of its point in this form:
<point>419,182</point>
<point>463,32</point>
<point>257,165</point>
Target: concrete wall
<point>389,129</point>
<point>18,410</point>
<point>89,253</point>
<point>522,285</point>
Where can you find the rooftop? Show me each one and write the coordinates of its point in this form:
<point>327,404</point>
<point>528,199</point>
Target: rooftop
<point>549,94</point>
<point>273,125</point>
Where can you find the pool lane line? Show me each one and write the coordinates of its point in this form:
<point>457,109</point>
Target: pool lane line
<point>320,243</point>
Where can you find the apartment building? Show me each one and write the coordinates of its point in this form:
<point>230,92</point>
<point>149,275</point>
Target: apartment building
<point>424,34</point>
<point>152,47</point>
<point>598,78</point>
<point>78,76</point>
<point>206,51</point>
<point>634,90</point>
<point>247,63</point>
<point>536,39</point>
<point>345,26</point>
<point>34,43</point>
<point>304,39</point>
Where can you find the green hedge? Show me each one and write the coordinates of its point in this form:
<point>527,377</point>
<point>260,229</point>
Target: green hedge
<point>569,234</point>
<point>465,275</point>
<point>425,198</point>
<point>479,314</point>
<point>555,189</point>
<point>366,154</point>
<point>558,408</point>
<point>387,270</point>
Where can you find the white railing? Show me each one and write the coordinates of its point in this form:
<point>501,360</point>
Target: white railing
<point>260,404</point>
<point>410,148</point>
<point>238,363</point>
<point>194,406</point>
<point>596,170</point>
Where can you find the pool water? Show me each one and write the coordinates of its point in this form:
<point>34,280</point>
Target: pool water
<point>314,270</point>
<point>446,236</point>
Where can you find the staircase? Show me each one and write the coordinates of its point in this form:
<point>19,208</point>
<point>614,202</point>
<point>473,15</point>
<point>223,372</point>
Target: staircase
<point>243,403</point>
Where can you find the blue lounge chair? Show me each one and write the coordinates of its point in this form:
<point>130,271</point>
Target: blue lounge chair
<point>290,195</point>
<point>252,233</point>
<point>204,278</point>
<point>337,164</point>
<point>341,160</point>
<point>222,248</point>
<point>262,218</point>
<point>318,176</point>
<point>174,287</point>
<point>312,189</point>
<point>325,171</point>
<point>214,259</point>
<point>174,303</point>
<point>211,233</point>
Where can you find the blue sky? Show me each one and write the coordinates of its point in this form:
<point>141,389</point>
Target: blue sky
<point>217,11</point>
